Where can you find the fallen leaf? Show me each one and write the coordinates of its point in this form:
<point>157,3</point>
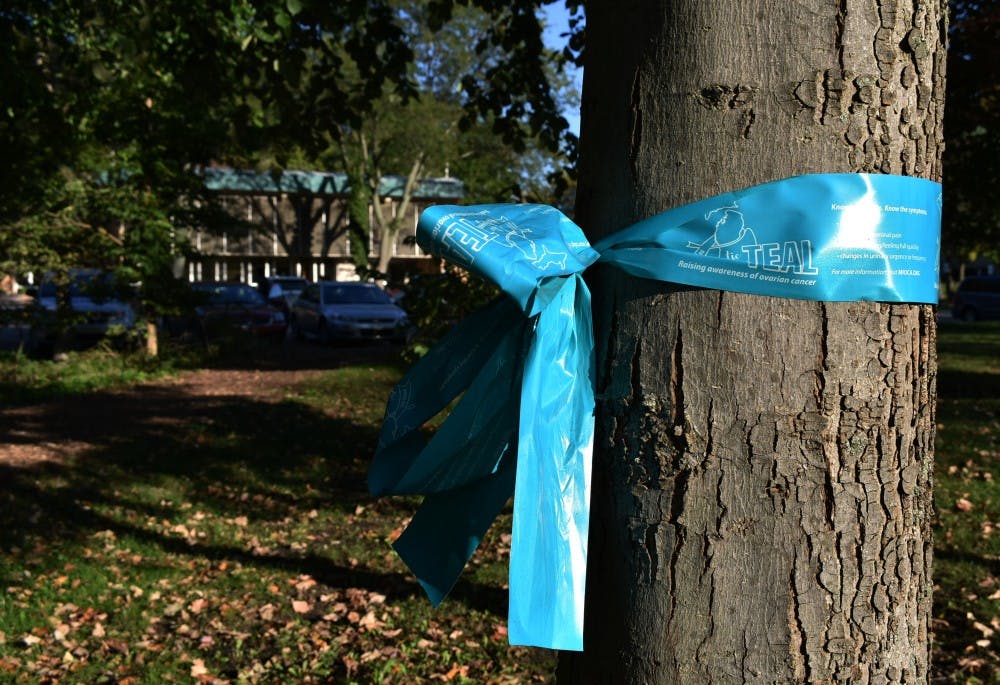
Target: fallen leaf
<point>197,606</point>
<point>963,504</point>
<point>369,622</point>
<point>300,607</point>
<point>98,630</point>
<point>983,628</point>
<point>304,583</point>
<point>456,671</point>
<point>198,668</point>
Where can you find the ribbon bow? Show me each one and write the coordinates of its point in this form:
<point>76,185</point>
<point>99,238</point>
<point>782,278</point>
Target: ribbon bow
<point>524,366</point>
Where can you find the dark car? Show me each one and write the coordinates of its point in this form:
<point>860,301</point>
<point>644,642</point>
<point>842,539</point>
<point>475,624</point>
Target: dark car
<point>978,297</point>
<point>94,306</point>
<point>338,310</point>
<point>95,301</point>
<point>227,307</point>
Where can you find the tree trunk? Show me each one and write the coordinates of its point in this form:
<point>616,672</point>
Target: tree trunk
<point>762,475</point>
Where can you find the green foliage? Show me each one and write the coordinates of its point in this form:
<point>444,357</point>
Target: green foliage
<point>24,380</point>
<point>972,123</point>
<point>110,109</point>
<point>357,214</point>
<point>431,131</point>
<point>436,302</point>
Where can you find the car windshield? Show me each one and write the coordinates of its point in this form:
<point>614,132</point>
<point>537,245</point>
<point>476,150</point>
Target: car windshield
<point>354,294</point>
<point>225,293</point>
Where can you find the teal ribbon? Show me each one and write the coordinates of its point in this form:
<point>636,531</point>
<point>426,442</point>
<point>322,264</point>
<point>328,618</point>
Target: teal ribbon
<point>524,366</point>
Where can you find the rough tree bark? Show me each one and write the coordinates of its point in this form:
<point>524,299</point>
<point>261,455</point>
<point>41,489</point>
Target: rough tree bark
<point>762,495</point>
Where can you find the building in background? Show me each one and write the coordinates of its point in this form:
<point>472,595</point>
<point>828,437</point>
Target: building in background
<point>296,223</point>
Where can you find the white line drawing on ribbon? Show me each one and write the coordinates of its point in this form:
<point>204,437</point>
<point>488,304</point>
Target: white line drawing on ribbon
<point>465,234</point>
<point>517,238</point>
<point>400,404</point>
<point>730,235</point>
<point>732,239</point>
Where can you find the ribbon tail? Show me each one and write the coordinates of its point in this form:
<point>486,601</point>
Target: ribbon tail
<point>548,561</point>
<point>478,353</point>
<point>448,527</point>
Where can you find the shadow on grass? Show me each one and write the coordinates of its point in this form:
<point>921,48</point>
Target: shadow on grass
<point>959,385</point>
<point>232,455</point>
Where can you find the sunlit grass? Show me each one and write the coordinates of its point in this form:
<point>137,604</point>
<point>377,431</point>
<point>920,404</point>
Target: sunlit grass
<point>242,546</point>
<point>240,543</point>
<point>967,533</point>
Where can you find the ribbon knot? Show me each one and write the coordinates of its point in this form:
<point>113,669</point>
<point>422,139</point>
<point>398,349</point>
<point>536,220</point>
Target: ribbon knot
<point>524,366</point>
<point>529,352</point>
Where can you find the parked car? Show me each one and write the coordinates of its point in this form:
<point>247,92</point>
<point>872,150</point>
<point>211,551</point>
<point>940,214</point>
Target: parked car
<point>339,310</point>
<point>977,297</point>
<point>95,302</point>
<point>16,314</point>
<point>281,291</point>
<point>236,306</point>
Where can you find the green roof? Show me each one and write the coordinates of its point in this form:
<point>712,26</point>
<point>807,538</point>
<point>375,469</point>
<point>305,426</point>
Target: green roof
<point>226,180</point>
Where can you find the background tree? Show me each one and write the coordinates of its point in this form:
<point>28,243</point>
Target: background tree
<point>429,131</point>
<point>762,490</point>
<point>114,107</point>
<point>971,220</point>
<point>108,112</point>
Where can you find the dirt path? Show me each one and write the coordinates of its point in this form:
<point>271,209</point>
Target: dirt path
<point>54,431</point>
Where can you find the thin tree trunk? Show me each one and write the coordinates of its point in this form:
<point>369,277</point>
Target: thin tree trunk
<point>762,490</point>
<point>152,339</point>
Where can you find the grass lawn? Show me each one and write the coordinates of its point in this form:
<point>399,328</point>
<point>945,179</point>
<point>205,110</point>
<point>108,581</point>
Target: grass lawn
<point>230,538</point>
<point>967,494</point>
